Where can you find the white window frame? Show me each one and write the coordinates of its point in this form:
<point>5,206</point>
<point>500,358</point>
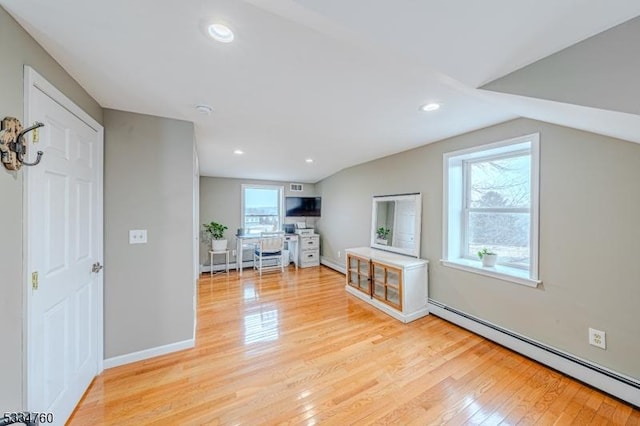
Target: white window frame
<point>280,190</point>
<point>455,211</point>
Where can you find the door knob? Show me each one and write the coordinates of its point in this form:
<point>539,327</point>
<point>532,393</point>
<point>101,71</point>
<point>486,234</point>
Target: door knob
<point>97,267</point>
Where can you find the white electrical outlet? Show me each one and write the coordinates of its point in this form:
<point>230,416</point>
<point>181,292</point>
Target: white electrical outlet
<point>137,236</point>
<point>597,338</point>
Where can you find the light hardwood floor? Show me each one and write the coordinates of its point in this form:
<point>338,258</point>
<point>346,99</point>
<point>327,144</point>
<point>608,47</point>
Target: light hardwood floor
<point>296,349</point>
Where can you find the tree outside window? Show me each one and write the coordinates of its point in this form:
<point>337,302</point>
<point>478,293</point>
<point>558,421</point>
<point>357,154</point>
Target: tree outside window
<point>498,207</point>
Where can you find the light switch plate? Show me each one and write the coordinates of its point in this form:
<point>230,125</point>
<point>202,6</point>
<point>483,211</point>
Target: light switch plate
<point>137,236</point>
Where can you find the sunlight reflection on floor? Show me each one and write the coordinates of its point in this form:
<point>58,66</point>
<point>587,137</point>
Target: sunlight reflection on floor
<point>261,324</point>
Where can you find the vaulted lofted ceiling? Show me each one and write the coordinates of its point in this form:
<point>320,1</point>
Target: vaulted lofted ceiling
<point>340,82</point>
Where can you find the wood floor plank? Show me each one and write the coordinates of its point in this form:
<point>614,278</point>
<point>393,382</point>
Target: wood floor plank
<point>568,389</point>
<point>295,348</point>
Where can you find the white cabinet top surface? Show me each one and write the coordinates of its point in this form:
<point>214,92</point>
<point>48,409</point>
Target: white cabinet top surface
<point>387,257</point>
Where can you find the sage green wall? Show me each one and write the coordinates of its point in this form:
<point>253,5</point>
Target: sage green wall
<point>220,201</point>
<point>148,184</point>
<point>589,237</point>
<point>19,49</point>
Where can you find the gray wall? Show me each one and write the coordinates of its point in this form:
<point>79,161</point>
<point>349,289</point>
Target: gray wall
<point>599,72</point>
<point>589,237</point>
<point>19,49</point>
<point>149,288</point>
<point>220,201</point>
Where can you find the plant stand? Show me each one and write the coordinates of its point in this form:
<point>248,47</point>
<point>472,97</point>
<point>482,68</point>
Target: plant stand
<point>214,252</point>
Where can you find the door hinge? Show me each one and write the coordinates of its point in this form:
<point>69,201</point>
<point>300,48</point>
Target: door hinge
<point>34,280</point>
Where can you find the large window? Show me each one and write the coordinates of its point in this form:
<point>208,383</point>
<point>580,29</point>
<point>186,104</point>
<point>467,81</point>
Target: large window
<point>261,208</point>
<point>491,201</point>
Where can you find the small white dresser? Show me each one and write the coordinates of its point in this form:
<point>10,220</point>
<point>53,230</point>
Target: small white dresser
<point>308,250</point>
<point>393,283</point>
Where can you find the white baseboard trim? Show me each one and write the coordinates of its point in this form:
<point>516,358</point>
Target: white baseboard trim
<point>148,353</point>
<point>333,265</point>
<point>612,382</point>
<point>218,267</point>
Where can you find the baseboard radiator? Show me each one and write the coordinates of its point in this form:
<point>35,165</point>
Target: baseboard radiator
<point>621,386</point>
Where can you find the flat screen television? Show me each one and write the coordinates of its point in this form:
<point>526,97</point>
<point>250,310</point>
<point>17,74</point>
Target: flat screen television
<point>303,206</point>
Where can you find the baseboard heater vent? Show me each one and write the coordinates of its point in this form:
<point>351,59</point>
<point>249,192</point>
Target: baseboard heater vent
<point>612,375</point>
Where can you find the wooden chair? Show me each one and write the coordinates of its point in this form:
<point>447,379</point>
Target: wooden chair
<point>269,252</point>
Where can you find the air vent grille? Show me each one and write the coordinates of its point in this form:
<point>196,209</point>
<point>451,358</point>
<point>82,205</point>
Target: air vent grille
<point>295,187</point>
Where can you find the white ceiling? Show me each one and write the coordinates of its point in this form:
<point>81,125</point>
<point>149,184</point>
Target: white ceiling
<point>334,80</point>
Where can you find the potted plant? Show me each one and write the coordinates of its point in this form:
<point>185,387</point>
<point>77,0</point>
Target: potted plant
<point>488,257</point>
<point>215,232</point>
<point>382,235</point>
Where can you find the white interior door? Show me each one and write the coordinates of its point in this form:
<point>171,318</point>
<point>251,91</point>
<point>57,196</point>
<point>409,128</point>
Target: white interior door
<point>405,229</point>
<point>64,196</point>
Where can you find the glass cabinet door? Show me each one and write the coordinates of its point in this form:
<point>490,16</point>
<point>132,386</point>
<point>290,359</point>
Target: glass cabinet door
<point>387,284</point>
<point>358,273</point>
<point>380,281</point>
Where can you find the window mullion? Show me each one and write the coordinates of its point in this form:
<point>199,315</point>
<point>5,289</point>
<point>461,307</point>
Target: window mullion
<point>499,210</point>
<point>494,157</point>
<point>466,170</point>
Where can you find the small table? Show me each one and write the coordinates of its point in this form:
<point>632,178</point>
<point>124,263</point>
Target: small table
<point>241,241</point>
<point>226,254</point>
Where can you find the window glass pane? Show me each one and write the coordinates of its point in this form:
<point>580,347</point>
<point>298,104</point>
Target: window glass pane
<point>353,263</point>
<point>378,273</point>
<point>502,182</point>
<point>506,234</point>
<point>393,277</point>
<point>393,296</point>
<point>261,210</point>
<point>378,290</point>
<point>354,279</point>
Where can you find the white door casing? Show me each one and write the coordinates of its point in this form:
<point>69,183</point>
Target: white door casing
<point>63,235</point>
<point>196,237</point>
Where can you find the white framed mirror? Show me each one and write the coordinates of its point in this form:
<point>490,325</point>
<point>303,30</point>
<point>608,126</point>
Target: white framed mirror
<point>396,222</point>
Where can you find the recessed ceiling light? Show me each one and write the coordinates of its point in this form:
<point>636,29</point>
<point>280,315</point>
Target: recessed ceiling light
<point>238,152</point>
<point>221,33</point>
<point>309,160</point>
<point>430,107</point>
<point>204,109</point>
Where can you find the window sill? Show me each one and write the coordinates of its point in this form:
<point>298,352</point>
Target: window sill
<point>505,273</point>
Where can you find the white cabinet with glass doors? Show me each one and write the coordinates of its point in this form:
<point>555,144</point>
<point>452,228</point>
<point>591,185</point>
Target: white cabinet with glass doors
<point>393,283</point>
